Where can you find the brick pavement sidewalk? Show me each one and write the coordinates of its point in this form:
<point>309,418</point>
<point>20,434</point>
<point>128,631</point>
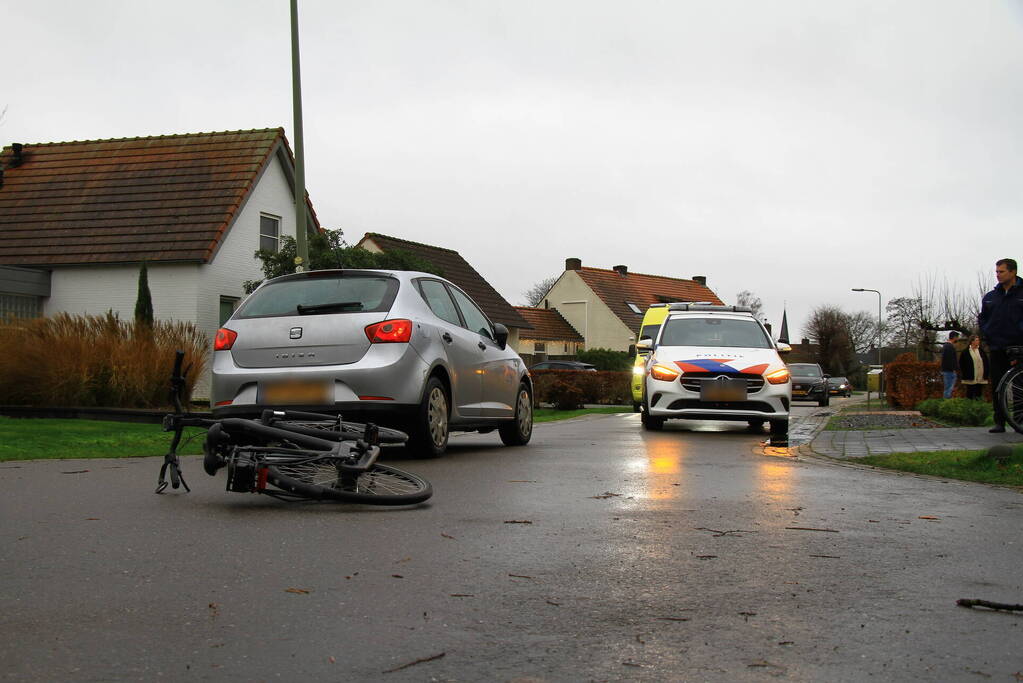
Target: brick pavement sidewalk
<point>809,433</point>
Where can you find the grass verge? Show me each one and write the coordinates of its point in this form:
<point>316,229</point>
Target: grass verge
<point>552,414</point>
<point>965,465</point>
<point>38,439</point>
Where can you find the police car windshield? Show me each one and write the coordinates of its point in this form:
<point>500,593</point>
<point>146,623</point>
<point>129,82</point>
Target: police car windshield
<point>720,332</point>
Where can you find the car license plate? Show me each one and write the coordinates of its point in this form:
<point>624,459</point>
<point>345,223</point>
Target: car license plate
<point>723,390</point>
<point>294,391</point>
<point>799,392</point>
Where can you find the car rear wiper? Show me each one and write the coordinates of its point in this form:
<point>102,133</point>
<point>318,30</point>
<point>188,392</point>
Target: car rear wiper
<point>316,308</point>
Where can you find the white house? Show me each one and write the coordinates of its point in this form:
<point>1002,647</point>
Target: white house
<point>78,218</point>
<point>606,307</point>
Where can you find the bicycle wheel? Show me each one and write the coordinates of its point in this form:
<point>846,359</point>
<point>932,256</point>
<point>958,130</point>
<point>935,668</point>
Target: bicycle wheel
<point>380,485</point>
<point>1010,398</point>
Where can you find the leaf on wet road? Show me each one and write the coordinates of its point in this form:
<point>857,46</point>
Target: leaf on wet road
<point>606,494</point>
<point>928,517</point>
<point>298,591</point>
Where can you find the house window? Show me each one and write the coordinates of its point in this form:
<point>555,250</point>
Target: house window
<point>539,347</point>
<point>18,306</point>
<point>227,306</point>
<point>634,308</point>
<point>269,232</point>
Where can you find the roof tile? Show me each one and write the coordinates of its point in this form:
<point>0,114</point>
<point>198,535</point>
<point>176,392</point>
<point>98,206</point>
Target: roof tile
<point>160,198</point>
<point>618,290</point>
<point>548,325</point>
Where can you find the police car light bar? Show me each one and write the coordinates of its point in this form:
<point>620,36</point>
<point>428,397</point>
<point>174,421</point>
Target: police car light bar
<point>706,306</point>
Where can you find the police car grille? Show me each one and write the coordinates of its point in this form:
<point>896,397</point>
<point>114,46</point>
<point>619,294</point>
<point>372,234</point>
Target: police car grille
<point>693,380</point>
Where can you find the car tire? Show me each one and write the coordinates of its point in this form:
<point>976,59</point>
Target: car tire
<point>755,425</point>
<point>520,429</point>
<point>428,433</point>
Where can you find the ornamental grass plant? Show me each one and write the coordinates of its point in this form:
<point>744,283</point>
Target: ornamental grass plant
<point>95,360</point>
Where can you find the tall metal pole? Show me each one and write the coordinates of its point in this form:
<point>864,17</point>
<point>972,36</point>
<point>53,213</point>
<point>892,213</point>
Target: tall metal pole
<point>302,244</point>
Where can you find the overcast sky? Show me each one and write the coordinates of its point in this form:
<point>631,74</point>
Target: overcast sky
<point>795,149</point>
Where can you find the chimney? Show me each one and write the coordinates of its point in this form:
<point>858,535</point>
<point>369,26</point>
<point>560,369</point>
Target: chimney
<point>700,280</point>
<point>621,270</point>
<point>573,264</point>
<point>16,148</point>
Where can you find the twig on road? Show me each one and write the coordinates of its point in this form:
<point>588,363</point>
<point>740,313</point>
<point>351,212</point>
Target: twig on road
<point>421,660</point>
<point>719,532</point>
<point>965,602</point>
<point>810,528</point>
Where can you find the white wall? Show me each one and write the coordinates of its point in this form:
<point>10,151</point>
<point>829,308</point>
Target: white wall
<point>588,314</point>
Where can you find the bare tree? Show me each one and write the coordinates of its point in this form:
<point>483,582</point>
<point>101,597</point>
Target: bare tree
<point>535,294</point>
<point>862,330</point>
<point>748,298</point>
<point>902,325</point>
<point>829,327</point>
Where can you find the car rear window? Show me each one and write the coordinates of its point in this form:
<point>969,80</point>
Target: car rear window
<point>722,332</point>
<point>805,370</point>
<point>330,294</point>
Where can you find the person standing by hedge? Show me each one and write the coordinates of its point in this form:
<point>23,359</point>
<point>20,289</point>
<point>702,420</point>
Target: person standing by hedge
<point>949,363</point>
<point>1001,325</point>
<point>973,369</point>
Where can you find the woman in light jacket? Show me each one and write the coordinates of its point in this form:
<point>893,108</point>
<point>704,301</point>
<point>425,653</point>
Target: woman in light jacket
<point>973,369</point>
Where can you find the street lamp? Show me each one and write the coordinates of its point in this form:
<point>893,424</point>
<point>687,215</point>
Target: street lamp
<point>861,289</point>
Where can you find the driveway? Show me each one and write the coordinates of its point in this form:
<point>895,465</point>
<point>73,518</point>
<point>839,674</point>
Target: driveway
<point>598,552</point>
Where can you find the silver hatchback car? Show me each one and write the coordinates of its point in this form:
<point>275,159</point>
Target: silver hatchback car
<point>403,349</point>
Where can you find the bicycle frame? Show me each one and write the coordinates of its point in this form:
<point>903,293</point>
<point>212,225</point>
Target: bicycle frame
<point>236,436</point>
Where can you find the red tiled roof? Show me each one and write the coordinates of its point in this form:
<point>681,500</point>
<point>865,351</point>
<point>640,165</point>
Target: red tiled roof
<point>548,325</point>
<point>457,270</point>
<point>617,291</point>
<point>163,198</point>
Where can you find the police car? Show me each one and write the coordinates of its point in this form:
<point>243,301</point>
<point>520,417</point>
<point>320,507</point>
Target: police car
<point>715,363</point>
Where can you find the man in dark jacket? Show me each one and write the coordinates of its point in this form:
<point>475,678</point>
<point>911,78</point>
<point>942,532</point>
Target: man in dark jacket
<point>1001,325</point>
<point>949,363</point>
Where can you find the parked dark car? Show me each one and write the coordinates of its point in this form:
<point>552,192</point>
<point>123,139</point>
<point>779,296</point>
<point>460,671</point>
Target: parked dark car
<point>563,365</point>
<point>809,383</point>
<point>839,386</point>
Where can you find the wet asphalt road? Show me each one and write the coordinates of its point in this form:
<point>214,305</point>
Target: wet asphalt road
<point>598,552</point>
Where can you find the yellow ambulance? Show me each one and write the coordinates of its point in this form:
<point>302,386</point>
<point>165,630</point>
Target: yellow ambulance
<point>652,321</point>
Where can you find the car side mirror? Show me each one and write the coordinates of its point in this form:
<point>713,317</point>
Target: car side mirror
<point>827,376</point>
<point>783,348</point>
<point>501,335</point>
<point>644,346</point>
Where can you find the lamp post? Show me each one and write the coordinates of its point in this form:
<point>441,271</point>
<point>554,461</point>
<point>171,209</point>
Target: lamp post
<point>861,289</point>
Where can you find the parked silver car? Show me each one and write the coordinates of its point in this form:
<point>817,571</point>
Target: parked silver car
<point>403,349</point>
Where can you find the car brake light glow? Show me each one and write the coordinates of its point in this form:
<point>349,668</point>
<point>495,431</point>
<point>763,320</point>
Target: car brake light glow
<point>778,376</point>
<point>664,373</point>
<point>224,339</point>
<point>390,331</point>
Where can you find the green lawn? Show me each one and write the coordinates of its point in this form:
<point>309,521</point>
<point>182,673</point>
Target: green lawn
<point>552,414</point>
<point>966,465</point>
<point>35,439</point>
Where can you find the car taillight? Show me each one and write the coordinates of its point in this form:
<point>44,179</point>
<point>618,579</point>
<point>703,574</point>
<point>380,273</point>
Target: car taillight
<point>664,373</point>
<point>390,332</point>
<point>778,376</point>
<point>224,339</point>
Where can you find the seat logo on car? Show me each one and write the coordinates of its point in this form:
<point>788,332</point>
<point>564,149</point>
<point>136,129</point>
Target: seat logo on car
<point>296,333</point>
<point>286,356</point>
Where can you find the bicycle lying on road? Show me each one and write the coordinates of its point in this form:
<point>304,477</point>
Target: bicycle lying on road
<point>1009,393</point>
<point>293,455</point>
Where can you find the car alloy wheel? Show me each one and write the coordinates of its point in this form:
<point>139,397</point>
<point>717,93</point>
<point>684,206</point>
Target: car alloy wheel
<point>437,417</point>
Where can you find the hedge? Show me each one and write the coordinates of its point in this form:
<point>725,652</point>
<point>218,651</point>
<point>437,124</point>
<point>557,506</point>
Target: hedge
<point>569,389</point>
<point>958,411</point>
<point>909,381</point>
